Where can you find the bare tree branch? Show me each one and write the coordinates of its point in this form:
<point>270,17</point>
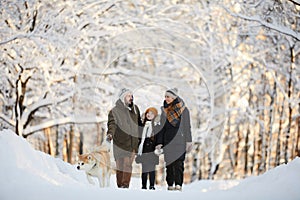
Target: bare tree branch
<point>278,28</point>
<point>7,120</point>
<point>61,121</point>
<point>45,102</point>
<point>295,2</point>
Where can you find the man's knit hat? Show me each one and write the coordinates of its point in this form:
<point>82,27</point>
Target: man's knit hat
<point>123,93</point>
<point>173,92</point>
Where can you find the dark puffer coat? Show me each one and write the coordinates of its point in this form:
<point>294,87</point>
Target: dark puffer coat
<point>174,138</point>
<point>148,156</point>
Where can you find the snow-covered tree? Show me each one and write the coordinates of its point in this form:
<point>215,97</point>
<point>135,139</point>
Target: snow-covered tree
<point>63,63</point>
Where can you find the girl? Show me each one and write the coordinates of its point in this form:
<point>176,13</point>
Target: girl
<point>146,149</point>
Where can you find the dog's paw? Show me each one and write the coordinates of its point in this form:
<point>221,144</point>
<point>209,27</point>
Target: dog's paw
<point>90,180</point>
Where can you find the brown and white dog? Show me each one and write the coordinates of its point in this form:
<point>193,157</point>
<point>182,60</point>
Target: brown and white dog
<point>96,164</point>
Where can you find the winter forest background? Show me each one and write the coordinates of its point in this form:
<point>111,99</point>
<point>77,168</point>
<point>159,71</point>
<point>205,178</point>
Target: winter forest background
<point>235,63</point>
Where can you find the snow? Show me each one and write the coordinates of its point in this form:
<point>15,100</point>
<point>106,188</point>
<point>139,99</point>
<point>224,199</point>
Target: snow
<point>29,174</point>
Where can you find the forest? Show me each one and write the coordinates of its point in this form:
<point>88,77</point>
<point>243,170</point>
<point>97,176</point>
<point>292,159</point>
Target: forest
<point>235,63</point>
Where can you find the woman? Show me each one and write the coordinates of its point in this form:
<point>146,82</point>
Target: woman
<point>174,137</point>
<point>146,149</point>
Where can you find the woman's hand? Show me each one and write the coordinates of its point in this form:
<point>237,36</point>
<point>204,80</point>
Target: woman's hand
<point>158,150</point>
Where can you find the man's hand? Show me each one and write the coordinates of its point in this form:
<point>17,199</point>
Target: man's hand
<point>109,137</point>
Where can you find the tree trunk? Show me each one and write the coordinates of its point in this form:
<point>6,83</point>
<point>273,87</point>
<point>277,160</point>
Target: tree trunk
<point>271,122</point>
<point>287,136</point>
<point>232,150</point>
<point>50,146</point>
<point>81,138</point>
<point>201,164</point>
<point>57,143</point>
<point>238,153</point>
<point>65,148</point>
<point>19,106</point>
<point>262,130</point>
<point>298,131</point>
<point>195,165</point>
<point>252,168</point>
<point>71,144</point>
<point>279,146</point>
<point>246,147</point>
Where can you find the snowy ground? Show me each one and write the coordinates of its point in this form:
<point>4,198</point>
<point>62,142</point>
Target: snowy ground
<point>29,174</point>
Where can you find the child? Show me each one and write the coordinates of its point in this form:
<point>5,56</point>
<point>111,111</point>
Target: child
<point>146,149</point>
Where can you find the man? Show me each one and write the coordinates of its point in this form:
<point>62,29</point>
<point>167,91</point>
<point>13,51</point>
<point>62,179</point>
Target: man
<point>175,137</point>
<point>123,128</point>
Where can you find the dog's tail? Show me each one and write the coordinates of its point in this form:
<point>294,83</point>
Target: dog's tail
<point>105,146</point>
<point>108,145</point>
<point>100,148</point>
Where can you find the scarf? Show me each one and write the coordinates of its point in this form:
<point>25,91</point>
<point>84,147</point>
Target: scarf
<point>147,132</point>
<point>174,110</point>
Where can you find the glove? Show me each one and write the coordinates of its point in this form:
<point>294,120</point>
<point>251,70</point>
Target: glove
<point>189,147</point>
<point>158,150</point>
<point>158,147</point>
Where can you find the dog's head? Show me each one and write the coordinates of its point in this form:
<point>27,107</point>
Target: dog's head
<point>86,162</point>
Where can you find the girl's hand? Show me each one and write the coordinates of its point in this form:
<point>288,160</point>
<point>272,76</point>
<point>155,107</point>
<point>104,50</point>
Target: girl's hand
<point>158,147</point>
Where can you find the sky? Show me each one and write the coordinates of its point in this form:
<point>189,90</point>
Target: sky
<point>27,174</point>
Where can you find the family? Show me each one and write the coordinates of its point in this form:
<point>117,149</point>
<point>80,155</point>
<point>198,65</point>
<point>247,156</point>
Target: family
<point>143,138</point>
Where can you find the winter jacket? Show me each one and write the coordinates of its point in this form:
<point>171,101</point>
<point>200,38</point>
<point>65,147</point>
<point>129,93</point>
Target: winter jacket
<point>174,138</point>
<point>148,156</point>
<point>124,125</point>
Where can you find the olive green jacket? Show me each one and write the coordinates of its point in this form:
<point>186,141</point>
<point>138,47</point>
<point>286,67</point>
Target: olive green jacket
<point>124,124</point>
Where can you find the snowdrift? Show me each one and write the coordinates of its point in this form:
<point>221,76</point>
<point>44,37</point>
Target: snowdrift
<point>29,174</point>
